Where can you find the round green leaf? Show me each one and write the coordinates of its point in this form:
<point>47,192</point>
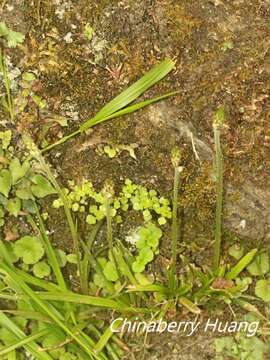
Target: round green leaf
<point>61,257</point>
<point>260,265</point>
<point>29,248</point>
<point>14,206</point>
<point>146,255</point>
<point>41,269</point>
<point>110,271</point>
<point>138,266</point>
<point>41,187</point>
<point>262,290</point>
<point>17,169</point>
<point>5,182</point>
<point>72,258</point>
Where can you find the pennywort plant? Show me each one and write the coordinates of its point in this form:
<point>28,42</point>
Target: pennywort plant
<point>83,198</point>
<point>20,184</point>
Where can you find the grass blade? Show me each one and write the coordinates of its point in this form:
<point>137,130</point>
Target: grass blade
<point>240,266</point>
<point>189,305</point>
<point>31,347</point>
<point>128,110</point>
<point>23,342</point>
<point>153,76</point>
<point>44,307</point>
<point>105,337</point>
<point>34,151</point>
<point>115,107</point>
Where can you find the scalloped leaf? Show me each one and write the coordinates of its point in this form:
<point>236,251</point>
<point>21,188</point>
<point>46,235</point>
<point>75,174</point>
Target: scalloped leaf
<point>5,182</point>
<point>110,271</point>
<point>262,290</point>
<point>260,265</point>
<point>41,269</point>
<point>29,248</point>
<point>41,187</point>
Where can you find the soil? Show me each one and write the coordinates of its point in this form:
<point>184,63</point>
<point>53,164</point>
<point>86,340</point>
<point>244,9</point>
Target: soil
<point>222,54</point>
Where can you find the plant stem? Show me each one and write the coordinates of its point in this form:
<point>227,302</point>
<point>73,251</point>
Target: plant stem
<point>109,231</point>
<point>61,141</point>
<point>219,195</point>
<point>175,231</point>
<point>45,167</point>
<point>3,68</point>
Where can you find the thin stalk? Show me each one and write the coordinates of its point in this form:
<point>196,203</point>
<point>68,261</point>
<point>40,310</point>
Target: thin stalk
<point>3,68</point>
<point>61,141</point>
<point>109,231</point>
<point>48,248</point>
<point>175,230</point>
<point>45,167</point>
<point>219,196</point>
<point>52,259</point>
<point>87,248</point>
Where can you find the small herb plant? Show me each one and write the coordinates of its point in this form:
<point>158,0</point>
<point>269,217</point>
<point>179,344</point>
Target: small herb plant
<point>84,198</point>
<point>147,245</point>
<point>19,183</point>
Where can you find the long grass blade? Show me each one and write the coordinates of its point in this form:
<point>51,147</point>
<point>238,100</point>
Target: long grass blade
<point>44,307</point>
<point>241,265</point>
<point>117,106</point>
<point>127,110</point>
<point>34,151</point>
<point>153,76</point>
<point>105,337</point>
<point>23,342</point>
<point>31,347</point>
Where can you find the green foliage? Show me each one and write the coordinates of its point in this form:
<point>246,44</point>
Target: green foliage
<point>5,182</point>
<point>29,248</point>
<point>227,45</point>
<point>61,257</point>
<point>241,265</point>
<point>110,271</point>
<point>41,269</point>
<point>262,290</point>
<point>240,348</point>
<point>133,196</point>
<point>236,251</point>
<point>14,206</point>
<point>5,137</point>
<point>12,38</point>
<point>17,169</point>
<point>41,186</point>
<point>72,258</point>
<point>260,265</point>
<point>88,31</point>
<point>19,183</point>
<point>147,245</point>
